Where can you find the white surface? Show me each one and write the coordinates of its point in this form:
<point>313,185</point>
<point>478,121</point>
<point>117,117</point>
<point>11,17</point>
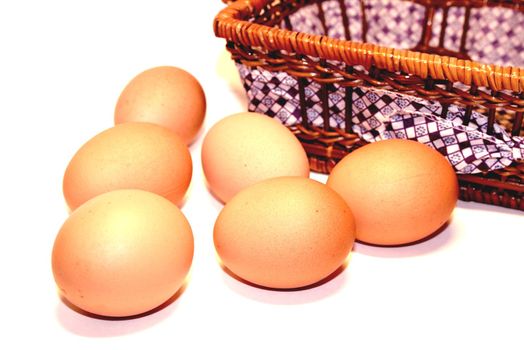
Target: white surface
<point>62,67</point>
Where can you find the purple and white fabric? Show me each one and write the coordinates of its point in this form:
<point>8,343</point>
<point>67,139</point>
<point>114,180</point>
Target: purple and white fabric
<point>494,36</point>
<point>380,114</point>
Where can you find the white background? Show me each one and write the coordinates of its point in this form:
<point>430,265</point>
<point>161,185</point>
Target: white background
<point>63,65</point>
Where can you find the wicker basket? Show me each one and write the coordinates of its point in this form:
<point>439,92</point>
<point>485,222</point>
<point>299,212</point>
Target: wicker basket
<point>342,54</point>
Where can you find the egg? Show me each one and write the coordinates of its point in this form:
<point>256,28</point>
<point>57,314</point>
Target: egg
<point>285,232</point>
<point>245,148</point>
<point>122,253</point>
<point>164,95</point>
<point>400,191</point>
<point>131,155</point>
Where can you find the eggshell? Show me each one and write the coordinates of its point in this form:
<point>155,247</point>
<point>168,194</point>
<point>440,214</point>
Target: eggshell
<point>132,155</point>
<point>245,148</point>
<point>400,191</point>
<point>165,95</point>
<point>286,232</point>
<point>122,253</point>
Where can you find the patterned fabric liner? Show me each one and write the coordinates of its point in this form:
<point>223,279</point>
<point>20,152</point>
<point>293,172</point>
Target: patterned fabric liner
<point>380,114</point>
<point>466,148</point>
<point>495,34</point>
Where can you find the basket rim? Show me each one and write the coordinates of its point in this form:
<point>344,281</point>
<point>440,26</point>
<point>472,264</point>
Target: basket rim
<point>232,23</point>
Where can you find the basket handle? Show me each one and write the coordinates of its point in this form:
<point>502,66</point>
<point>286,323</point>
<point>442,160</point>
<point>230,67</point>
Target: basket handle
<point>232,24</point>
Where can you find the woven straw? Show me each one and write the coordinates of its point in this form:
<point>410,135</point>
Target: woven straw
<point>256,38</point>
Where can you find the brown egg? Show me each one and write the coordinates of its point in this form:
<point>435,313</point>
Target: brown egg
<point>131,155</point>
<point>245,148</point>
<point>165,95</point>
<point>285,232</point>
<point>399,191</point>
<point>122,253</point>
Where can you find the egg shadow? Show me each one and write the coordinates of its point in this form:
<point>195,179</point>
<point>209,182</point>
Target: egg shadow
<point>287,296</point>
<point>196,143</point>
<point>216,201</point>
<point>433,242</point>
<point>86,324</point>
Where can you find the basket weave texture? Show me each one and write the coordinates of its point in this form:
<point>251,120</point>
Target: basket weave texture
<point>339,73</point>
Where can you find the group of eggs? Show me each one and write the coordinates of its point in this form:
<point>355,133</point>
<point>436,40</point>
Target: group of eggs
<point>126,247</point>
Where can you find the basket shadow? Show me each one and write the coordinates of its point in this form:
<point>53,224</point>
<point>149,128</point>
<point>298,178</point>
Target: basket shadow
<point>470,205</point>
<point>287,296</point>
<point>87,324</point>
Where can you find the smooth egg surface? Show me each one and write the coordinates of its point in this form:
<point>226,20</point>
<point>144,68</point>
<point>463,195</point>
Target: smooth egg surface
<point>164,95</point>
<point>286,232</point>
<point>245,148</point>
<point>131,155</point>
<point>400,191</point>
<point>122,253</point>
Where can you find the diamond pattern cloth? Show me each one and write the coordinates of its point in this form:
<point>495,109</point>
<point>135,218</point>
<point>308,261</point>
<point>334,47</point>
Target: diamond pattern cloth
<point>494,37</point>
<point>380,114</point>
<point>468,148</point>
